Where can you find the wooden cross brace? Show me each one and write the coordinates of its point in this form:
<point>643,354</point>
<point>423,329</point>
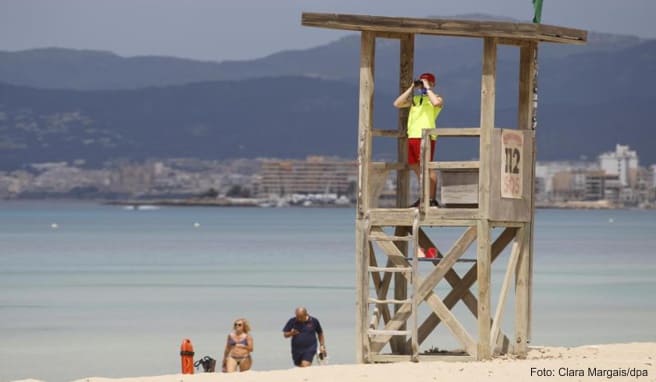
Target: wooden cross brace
<point>441,308</point>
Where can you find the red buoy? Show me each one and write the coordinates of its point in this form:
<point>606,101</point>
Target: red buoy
<point>187,356</point>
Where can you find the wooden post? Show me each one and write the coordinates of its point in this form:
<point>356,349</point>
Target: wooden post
<point>362,290</point>
<point>526,121</point>
<point>406,65</point>
<point>503,294</point>
<point>488,99</point>
<point>365,125</point>
<point>484,262</point>
<point>488,91</point>
<point>406,61</point>
<point>365,120</point>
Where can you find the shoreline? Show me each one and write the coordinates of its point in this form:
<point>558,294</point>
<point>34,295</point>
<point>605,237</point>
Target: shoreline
<point>264,203</point>
<point>611,362</point>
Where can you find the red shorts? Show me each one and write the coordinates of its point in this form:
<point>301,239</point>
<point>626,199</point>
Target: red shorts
<point>414,150</point>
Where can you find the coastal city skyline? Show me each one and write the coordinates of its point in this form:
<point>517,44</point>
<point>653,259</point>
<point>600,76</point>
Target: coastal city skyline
<point>616,177</point>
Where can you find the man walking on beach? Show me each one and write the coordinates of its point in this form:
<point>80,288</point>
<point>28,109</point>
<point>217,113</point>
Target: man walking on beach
<point>304,331</point>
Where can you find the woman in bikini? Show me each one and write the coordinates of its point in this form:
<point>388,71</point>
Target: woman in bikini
<point>238,349</point>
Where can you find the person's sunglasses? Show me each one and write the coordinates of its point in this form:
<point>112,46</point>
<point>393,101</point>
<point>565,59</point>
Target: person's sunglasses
<point>238,324</point>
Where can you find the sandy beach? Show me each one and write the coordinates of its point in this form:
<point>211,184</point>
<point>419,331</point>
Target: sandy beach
<point>617,362</point>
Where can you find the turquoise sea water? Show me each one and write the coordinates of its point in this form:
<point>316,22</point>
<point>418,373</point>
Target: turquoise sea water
<point>112,292</point>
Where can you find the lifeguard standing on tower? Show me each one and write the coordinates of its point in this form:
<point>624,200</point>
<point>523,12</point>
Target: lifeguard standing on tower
<point>425,107</point>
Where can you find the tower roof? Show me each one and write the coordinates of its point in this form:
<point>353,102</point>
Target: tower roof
<point>446,27</point>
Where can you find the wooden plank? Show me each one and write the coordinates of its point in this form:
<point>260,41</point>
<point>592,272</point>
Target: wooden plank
<point>446,27</point>
<point>459,187</point>
<point>506,224</point>
<point>503,294</point>
<point>362,290</point>
<point>373,332</point>
<point>456,217</point>
<point>406,65</point>
<point>375,236</point>
<point>458,131</point>
<point>527,120</point>
<point>522,295</point>
<point>559,32</point>
<point>365,119</point>
<point>455,165</point>
<point>531,179</point>
<point>488,99</point>
<point>400,286</point>
<point>484,269</point>
<point>414,279</point>
<point>430,221</point>
<point>389,269</point>
<point>461,290</point>
<point>526,86</point>
<point>442,131</point>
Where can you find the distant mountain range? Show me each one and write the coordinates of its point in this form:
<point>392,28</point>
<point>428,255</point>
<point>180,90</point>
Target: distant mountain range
<point>60,104</point>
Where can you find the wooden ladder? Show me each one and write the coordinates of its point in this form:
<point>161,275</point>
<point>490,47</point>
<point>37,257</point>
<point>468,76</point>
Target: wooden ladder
<point>408,267</point>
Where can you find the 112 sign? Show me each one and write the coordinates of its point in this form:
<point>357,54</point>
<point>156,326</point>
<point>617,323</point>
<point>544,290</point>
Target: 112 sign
<point>512,143</point>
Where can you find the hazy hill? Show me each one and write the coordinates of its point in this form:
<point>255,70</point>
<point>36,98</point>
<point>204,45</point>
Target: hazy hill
<point>93,70</point>
<point>587,105</point>
<point>296,103</point>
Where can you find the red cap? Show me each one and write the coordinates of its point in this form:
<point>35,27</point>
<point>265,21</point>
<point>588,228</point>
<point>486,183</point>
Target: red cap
<point>428,76</point>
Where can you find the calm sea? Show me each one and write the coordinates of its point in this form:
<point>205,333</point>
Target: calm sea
<point>91,290</point>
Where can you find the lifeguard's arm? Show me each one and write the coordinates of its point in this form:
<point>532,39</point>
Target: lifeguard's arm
<point>435,99</point>
<point>404,99</point>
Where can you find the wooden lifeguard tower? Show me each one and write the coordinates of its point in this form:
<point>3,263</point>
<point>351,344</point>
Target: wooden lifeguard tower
<point>495,191</point>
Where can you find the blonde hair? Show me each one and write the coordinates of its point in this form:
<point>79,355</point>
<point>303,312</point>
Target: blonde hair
<point>246,327</point>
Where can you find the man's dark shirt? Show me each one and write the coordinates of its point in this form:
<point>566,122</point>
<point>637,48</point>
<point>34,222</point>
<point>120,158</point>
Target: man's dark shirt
<point>306,339</point>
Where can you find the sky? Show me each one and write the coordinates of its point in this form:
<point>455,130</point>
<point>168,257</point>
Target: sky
<point>220,30</point>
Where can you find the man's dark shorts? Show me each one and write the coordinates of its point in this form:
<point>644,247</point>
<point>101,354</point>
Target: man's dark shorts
<point>303,355</point>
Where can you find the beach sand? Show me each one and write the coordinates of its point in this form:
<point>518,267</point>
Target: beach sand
<point>594,361</point>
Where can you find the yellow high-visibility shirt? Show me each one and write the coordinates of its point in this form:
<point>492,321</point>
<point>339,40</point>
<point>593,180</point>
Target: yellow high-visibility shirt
<point>422,116</point>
